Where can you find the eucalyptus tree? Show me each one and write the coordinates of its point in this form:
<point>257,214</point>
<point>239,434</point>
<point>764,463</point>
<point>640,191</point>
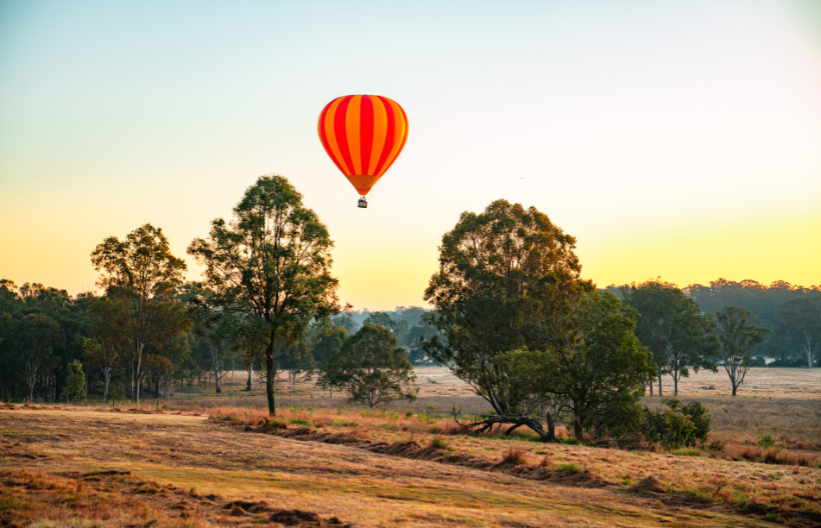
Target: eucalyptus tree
<point>36,335</point>
<point>672,327</point>
<point>271,264</point>
<point>594,380</point>
<point>508,279</point>
<point>800,325</point>
<point>141,277</point>
<point>737,332</point>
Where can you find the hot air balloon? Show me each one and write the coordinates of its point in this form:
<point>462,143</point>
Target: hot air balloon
<point>363,135</point>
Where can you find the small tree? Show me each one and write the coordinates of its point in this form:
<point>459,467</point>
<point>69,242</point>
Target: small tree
<point>75,381</point>
<point>103,355</point>
<point>737,333</point>
<point>326,342</point>
<point>371,368</point>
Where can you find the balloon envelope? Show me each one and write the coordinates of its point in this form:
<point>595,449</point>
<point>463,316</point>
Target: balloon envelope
<point>363,135</point>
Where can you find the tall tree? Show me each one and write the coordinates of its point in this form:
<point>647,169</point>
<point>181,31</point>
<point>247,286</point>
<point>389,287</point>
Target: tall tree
<point>272,264</point>
<point>737,332</point>
<point>671,326</point>
<point>505,277</point>
<point>140,276</point>
<point>102,354</point>
<point>800,324</point>
<point>371,368</point>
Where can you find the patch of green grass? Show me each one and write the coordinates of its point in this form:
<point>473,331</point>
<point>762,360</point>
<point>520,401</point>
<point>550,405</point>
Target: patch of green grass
<point>341,422</point>
<point>390,427</point>
<point>300,421</point>
<point>689,451</point>
<point>569,468</point>
<point>438,442</point>
<point>568,440</point>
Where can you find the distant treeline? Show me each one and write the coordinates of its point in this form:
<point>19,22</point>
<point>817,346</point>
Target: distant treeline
<point>779,307</point>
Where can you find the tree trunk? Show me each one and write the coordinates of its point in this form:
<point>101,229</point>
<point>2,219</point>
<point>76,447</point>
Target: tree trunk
<point>107,376</point>
<point>249,385</point>
<point>660,392</point>
<point>270,366</point>
<point>735,388</point>
<point>675,384</point>
<point>214,356</point>
<point>650,382</point>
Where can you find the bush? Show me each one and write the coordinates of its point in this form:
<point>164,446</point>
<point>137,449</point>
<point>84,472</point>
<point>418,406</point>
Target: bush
<point>341,422</point>
<point>569,468</point>
<point>716,446</point>
<point>516,456</point>
<point>438,442</point>
<point>300,421</point>
<point>568,440</point>
<point>678,426</point>
<point>765,440</point>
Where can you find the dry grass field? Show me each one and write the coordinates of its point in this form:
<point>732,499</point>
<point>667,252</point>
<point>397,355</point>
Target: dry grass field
<point>322,463</point>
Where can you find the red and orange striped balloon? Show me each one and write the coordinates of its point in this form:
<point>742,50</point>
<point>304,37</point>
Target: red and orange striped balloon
<point>363,135</point>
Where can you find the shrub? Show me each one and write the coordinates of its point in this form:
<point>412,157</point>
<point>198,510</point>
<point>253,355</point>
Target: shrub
<point>275,423</point>
<point>437,442</point>
<point>677,426</point>
<point>516,456</point>
<point>341,422</point>
<point>716,446</point>
<point>568,440</point>
<point>568,468</point>
<point>409,414</point>
<point>765,440</point>
<point>300,421</point>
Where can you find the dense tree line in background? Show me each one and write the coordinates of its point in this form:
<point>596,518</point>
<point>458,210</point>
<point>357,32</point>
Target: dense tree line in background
<point>791,314</point>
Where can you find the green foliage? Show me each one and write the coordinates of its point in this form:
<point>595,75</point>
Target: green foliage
<point>568,468</point>
<point>75,381</point>
<point>437,442</point>
<point>688,451</point>
<point>300,421</point>
<point>677,426</point>
<point>371,368</point>
<point>716,446</point>
<point>594,377</point>
<point>765,440</point>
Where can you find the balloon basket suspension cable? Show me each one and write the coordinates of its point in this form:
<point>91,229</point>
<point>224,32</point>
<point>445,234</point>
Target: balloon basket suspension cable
<point>363,203</point>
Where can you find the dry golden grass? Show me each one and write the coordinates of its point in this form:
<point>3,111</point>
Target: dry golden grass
<point>386,473</point>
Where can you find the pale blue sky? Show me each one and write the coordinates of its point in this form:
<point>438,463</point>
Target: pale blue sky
<point>680,139</point>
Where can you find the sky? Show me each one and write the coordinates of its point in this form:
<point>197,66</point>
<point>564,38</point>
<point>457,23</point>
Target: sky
<point>679,140</point>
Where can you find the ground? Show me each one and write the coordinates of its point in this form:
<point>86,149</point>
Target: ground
<point>320,464</point>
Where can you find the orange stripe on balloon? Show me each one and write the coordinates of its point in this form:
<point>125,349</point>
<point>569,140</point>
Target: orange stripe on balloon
<point>352,121</point>
<point>380,129</point>
<point>330,131</point>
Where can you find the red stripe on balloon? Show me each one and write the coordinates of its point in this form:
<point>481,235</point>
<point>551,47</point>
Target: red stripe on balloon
<point>341,135</point>
<point>323,136</point>
<point>365,132</point>
<point>388,146</point>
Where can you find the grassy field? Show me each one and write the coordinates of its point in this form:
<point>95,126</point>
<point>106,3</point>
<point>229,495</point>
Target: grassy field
<point>322,463</point>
